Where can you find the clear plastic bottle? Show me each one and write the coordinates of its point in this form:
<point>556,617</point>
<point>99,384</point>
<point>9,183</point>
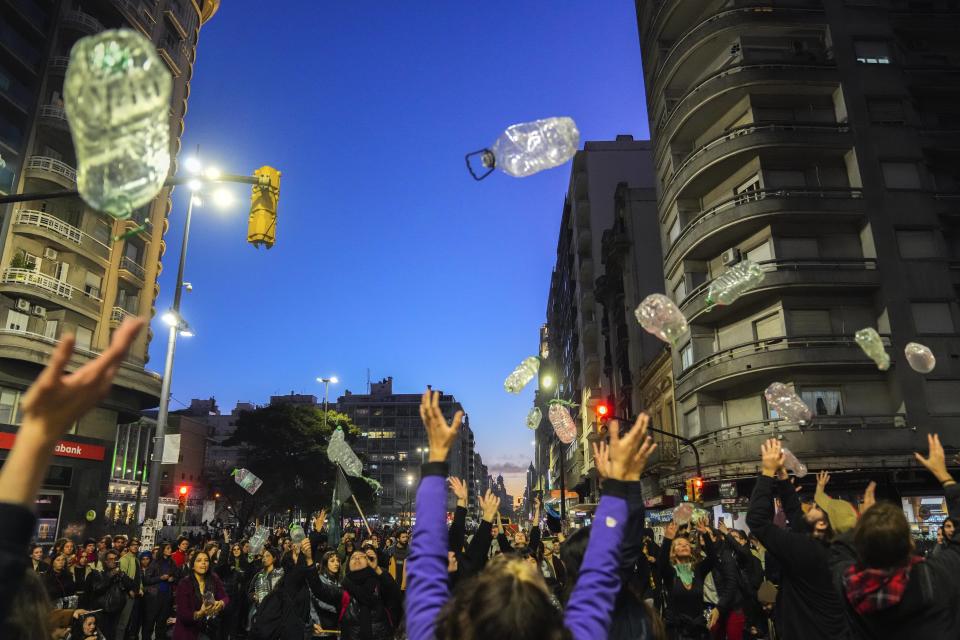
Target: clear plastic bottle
<point>683,513</point>
<point>872,345</point>
<point>245,478</point>
<point>734,282</point>
<point>297,534</point>
<point>258,539</point>
<point>792,464</point>
<point>340,453</point>
<point>563,423</point>
<point>919,357</point>
<point>117,101</point>
<point>530,147</point>
<point>787,403</point>
<point>522,375</point>
<point>658,315</point>
<point>534,418</point>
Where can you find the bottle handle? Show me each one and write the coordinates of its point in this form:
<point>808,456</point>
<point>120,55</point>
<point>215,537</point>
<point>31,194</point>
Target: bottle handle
<point>488,160</point>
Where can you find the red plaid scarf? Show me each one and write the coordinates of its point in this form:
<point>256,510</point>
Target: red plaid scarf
<point>871,590</point>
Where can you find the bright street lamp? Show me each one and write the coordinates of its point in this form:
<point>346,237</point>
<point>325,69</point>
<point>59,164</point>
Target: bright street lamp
<point>192,164</point>
<point>546,381</point>
<point>326,386</point>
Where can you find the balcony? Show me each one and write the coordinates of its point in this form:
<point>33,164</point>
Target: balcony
<point>174,21</point>
<point>53,170</point>
<point>82,22</point>
<point>54,116</point>
<point>809,275</point>
<point>58,64</point>
<point>130,267</point>
<point>31,279</point>
<point>789,138</point>
<point>118,315</point>
<point>713,230</point>
<point>168,54</point>
<point>31,222</point>
<point>753,361</point>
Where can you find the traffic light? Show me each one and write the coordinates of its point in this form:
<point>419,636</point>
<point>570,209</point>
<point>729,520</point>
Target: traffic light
<point>603,410</point>
<point>262,226</point>
<point>182,498</point>
<point>694,489</point>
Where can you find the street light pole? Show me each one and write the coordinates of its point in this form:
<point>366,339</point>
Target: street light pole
<point>326,386</point>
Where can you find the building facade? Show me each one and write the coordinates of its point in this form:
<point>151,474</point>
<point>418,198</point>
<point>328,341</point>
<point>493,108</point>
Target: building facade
<point>60,270</point>
<point>818,139</point>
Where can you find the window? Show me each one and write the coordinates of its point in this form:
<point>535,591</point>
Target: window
<point>760,253</point>
<point>8,405</point>
<point>768,327</point>
<point>886,110</point>
<point>810,322</point>
<point>901,175</point>
<point>50,330</point>
<point>691,422</point>
<point>823,402</point>
<point>872,52</point>
<point>674,231</point>
<point>380,435</point>
<point>748,190</point>
<point>84,337</point>
<point>62,271</point>
<point>686,356</point>
<point>16,321</point>
<point>799,248</point>
<point>932,317</point>
<point>916,244</point>
<point>91,286</point>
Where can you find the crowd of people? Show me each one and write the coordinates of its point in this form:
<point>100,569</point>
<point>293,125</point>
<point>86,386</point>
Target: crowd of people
<point>808,567</point>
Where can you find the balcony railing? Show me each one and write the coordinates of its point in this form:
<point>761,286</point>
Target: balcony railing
<point>817,423</point>
<point>128,264</point>
<point>52,165</point>
<point>85,20</point>
<point>47,221</point>
<point>119,314</point>
<point>53,111</point>
<point>38,280</point>
<point>59,63</point>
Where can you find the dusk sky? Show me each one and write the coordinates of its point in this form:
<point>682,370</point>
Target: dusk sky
<point>388,256</point>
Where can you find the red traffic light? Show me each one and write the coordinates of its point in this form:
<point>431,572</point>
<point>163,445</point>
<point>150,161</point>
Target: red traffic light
<point>184,489</point>
<point>603,410</point>
<point>698,483</point>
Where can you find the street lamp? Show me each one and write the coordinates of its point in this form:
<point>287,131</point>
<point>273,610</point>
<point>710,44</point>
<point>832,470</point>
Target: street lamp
<point>326,386</point>
<point>422,451</point>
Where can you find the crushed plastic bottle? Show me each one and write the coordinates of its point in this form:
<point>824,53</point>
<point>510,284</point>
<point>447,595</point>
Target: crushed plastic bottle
<point>700,515</point>
<point>734,282</point>
<point>117,101</point>
<point>297,534</point>
<point>530,147</point>
<point>534,418</point>
<point>919,357</point>
<point>340,453</point>
<point>522,375</point>
<point>787,403</point>
<point>258,539</point>
<point>245,478</point>
<point>869,340</point>
<point>792,464</point>
<point>683,513</point>
<point>658,315</point>
<point>563,423</point>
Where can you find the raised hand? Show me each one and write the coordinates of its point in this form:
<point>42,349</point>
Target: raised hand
<point>771,457</point>
<point>722,527</point>
<point>319,520</point>
<point>489,505</point>
<point>440,435</point>
<point>460,490</point>
<point>628,455</point>
<point>601,459</point>
<point>935,462</point>
<point>869,497</point>
<point>823,478</point>
<point>670,531</point>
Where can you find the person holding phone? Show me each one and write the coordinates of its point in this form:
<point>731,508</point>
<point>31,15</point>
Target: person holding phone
<point>200,599</point>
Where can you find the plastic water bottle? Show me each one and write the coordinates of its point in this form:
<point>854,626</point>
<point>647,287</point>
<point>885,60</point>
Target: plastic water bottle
<point>258,539</point>
<point>787,403</point>
<point>534,418</point>
<point>919,357</point>
<point>297,534</point>
<point>658,315</point>
<point>522,375</point>
<point>792,464</point>
<point>683,513</point>
<point>869,340</point>
<point>562,422</point>
<point>117,100</point>
<point>530,147</point>
<point>340,453</point>
<point>734,282</point>
<point>245,478</point>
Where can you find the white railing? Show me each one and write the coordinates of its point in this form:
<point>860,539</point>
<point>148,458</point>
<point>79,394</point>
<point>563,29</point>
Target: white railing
<point>47,221</point>
<point>39,280</point>
<point>119,314</point>
<point>53,111</point>
<point>129,362</point>
<point>84,19</point>
<point>59,62</point>
<point>131,266</point>
<point>53,166</point>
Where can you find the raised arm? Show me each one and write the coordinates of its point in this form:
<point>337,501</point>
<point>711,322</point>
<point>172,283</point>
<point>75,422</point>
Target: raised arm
<point>427,585</point>
<point>480,545</point>
<point>458,530</point>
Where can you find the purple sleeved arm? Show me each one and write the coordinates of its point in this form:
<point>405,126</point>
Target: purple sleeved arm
<point>590,607</point>
<point>427,588</point>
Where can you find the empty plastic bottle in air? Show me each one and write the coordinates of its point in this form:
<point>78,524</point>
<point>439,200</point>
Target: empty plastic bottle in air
<point>530,147</point>
<point>247,480</point>
<point>297,535</point>
<point>734,282</point>
<point>869,340</point>
<point>534,418</point>
<point>792,464</point>
<point>522,375</point>
<point>919,357</point>
<point>117,101</point>
<point>339,452</point>
<point>787,403</point>
<point>683,513</point>
<point>658,315</point>
<point>258,539</point>
<point>563,423</point>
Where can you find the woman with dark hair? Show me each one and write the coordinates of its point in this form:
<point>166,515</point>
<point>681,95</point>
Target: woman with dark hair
<point>60,584</point>
<point>200,599</point>
<point>37,562</point>
<point>234,571</point>
<point>266,580</point>
<point>325,617</point>
<point>160,578</point>
<point>85,628</point>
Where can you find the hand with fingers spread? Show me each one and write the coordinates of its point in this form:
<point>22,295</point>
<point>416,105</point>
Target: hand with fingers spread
<point>869,497</point>
<point>489,506</point>
<point>771,457</point>
<point>628,455</point>
<point>319,520</point>
<point>823,478</point>
<point>935,462</point>
<point>440,435</point>
<point>460,490</point>
<point>670,531</point>
<point>601,459</point>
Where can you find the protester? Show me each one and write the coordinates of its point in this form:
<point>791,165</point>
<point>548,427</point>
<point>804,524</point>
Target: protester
<point>181,556</point>
<point>398,558</point>
<point>60,585</point>
<point>325,617</point>
<point>234,571</point>
<point>37,561</point>
<point>159,582</point>
<point>85,628</point>
<point>682,576</point>
<point>200,598</point>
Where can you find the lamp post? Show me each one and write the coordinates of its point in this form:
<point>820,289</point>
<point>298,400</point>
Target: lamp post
<point>547,382</point>
<point>422,451</point>
<point>409,506</point>
<point>326,386</point>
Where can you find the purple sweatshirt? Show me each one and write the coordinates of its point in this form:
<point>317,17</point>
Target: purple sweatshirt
<point>591,604</point>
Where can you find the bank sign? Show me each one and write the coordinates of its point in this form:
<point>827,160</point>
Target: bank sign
<point>64,448</point>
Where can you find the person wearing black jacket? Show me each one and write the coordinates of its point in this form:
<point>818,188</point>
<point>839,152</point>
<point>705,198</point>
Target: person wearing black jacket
<point>889,591</point>
<point>234,572</point>
<point>478,551</point>
<point>59,583</point>
<point>159,582</point>
<point>108,591</point>
<point>808,606</point>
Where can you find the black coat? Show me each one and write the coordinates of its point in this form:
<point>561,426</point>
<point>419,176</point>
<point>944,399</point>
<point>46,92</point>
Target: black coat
<point>930,608</point>
<point>362,620</point>
<point>59,585</point>
<point>808,605</point>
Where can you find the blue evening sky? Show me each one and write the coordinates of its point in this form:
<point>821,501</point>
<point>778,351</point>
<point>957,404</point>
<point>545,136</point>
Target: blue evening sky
<point>388,256</point>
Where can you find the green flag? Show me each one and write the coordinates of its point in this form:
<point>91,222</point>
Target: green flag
<point>341,493</point>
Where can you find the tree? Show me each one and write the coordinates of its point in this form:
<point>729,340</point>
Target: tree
<point>286,447</point>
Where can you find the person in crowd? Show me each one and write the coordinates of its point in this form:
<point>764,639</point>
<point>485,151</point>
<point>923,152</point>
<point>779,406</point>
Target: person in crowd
<point>234,571</point>
<point>109,590</point>
<point>808,605</point>
<point>140,626</point>
<point>945,535</point>
<point>509,598</point>
<point>65,547</point>
<point>401,551</point>
<point>552,568</point>
<point>737,577</point>
<point>90,550</point>
<point>266,580</point>
<point>888,591</point>
<point>60,584</point>
<point>85,628</point>
<point>346,547</point>
<point>130,565</point>
<point>159,582</point>
<point>325,617</point>
<point>37,562</point>
<point>181,555</point>
<point>682,577</point>
<point>200,599</point>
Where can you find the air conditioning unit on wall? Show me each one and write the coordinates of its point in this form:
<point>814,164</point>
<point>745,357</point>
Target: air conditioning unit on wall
<point>50,253</point>
<point>23,305</point>
<point>730,257</point>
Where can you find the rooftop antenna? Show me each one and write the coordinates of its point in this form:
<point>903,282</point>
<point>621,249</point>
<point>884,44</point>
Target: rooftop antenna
<point>368,380</point>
